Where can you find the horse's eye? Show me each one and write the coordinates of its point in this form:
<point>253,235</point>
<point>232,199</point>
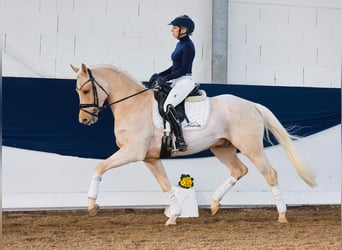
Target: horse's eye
<point>86,91</point>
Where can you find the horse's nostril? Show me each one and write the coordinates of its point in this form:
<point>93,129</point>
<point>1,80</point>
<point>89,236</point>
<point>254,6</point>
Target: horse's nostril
<point>85,121</point>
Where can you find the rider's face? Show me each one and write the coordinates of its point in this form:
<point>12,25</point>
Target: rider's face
<point>175,31</point>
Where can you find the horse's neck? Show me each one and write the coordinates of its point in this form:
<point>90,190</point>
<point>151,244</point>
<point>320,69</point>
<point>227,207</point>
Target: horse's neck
<point>122,86</point>
<point>122,89</point>
<point>134,114</point>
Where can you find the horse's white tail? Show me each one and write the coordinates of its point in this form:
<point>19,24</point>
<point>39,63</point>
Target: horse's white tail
<point>285,140</point>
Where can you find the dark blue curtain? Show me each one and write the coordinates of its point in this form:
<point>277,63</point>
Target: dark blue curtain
<point>42,114</point>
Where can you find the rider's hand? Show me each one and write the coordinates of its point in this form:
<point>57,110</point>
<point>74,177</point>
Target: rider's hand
<point>159,82</point>
<point>153,78</point>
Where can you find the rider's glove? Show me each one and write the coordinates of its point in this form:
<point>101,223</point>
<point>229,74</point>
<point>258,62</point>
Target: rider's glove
<point>159,82</point>
<point>153,78</point>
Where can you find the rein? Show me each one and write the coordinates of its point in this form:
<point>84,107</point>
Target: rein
<point>125,98</point>
<point>96,99</point>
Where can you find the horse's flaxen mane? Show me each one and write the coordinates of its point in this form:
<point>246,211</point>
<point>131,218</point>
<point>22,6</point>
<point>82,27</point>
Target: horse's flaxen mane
<point>115,69</point>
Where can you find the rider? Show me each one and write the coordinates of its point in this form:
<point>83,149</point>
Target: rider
<point>179,73</point>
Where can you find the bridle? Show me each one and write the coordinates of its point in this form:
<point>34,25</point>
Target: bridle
<point>96,98</point>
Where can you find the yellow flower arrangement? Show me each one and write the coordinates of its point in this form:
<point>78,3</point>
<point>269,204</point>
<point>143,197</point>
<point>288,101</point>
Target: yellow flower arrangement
<point>186,181</point>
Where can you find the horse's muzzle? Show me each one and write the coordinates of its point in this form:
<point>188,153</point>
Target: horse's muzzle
<point>88,121</point>
<point>88,118</point>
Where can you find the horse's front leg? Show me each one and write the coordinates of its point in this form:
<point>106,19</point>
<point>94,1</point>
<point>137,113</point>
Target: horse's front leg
<point>121,157</point>
<point>159,173</point>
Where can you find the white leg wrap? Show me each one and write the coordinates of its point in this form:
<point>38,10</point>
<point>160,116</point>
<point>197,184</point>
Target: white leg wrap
<point>171,199</point>
<point>224,188</point>
<point>94,187</point>
<point>278,198</point>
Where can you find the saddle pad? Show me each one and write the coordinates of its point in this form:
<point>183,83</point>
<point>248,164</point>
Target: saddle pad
<point>197,112</point>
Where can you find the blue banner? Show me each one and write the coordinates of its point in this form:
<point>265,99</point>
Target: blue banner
<point>42,114</point>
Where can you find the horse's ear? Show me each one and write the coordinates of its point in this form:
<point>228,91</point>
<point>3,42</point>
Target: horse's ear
<point>74,68</point>
<point>84,69</point>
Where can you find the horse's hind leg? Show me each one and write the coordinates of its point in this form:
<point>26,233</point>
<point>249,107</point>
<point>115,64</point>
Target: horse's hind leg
<point>159,173</point>
<point>271,177</point>
<point>227,155</point>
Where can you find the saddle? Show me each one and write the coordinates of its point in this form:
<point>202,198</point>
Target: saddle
<point>167,143</point>
<point>161,95</point>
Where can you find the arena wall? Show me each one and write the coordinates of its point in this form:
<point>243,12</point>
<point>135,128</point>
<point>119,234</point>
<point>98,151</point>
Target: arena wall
<point>296,43</point>
<point>41,37</point>
<point>36,180</point>
<point>288,43</point>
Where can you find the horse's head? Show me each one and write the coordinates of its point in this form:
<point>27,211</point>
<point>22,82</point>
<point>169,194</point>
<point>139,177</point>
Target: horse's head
<point>92,95</point>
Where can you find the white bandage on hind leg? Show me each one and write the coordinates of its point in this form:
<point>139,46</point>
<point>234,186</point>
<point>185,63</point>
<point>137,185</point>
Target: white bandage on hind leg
<point>224,188</point>
<point>278,198</point>
<point>94,187</point>
<point>171,199</point>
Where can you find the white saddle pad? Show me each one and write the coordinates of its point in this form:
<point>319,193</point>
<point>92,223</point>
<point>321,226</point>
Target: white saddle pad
<point>196,111</point>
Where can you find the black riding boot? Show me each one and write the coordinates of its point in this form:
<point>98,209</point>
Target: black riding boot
<point>172,117</point>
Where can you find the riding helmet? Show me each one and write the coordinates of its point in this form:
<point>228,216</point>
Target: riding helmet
<point>184,21</point>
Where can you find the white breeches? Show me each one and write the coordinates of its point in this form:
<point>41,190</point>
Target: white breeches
<point>181,89</point>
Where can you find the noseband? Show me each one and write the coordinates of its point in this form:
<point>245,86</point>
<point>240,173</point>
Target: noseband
<point>96,98</point>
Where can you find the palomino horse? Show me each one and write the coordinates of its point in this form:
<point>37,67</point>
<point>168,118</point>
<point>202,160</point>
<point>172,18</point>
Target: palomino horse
<point>234,124</point>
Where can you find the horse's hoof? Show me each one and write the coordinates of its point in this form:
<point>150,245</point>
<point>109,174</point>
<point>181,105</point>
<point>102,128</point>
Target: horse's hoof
<point>215,207</point>
<point>171,221</point>
<point>282,218</point>
<point>93,211</point>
